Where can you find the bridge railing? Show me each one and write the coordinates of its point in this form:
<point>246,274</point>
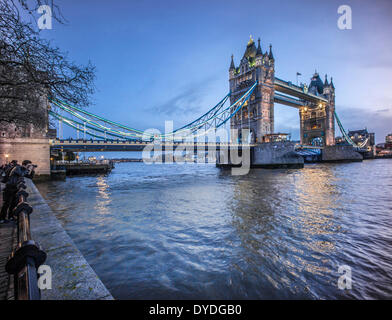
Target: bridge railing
<point>28,255</point>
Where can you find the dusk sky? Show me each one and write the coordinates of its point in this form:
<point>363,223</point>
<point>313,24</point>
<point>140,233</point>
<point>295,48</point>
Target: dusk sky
<point>169,60</point>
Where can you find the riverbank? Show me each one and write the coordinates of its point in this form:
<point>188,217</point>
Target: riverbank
<point>72,276</point>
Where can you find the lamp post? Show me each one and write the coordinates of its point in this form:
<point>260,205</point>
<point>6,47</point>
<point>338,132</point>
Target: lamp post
<point>6,158</point>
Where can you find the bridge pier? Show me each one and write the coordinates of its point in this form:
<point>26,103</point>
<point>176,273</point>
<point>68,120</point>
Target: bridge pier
<point>275,155</point>
<point>270,155</point>
<point>340,153</point>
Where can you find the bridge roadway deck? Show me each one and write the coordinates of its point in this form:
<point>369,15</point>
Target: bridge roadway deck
<point>112,145</point>
<point>97,145</point>
<point>296,91</point>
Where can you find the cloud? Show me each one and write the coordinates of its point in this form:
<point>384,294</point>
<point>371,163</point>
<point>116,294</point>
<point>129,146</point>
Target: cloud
<point>379,121</point>
<point>383,110</point>
<point>188,101</point>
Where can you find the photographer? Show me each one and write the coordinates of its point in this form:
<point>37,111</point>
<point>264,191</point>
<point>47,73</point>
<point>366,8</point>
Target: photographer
<point>13,173</point>
<point>29,169</point>
<point>6,170</point>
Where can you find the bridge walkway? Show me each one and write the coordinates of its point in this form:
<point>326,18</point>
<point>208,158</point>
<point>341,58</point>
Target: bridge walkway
<point>7,243</point>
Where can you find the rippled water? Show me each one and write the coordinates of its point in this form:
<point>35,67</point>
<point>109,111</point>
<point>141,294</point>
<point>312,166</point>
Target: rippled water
<point>195,232</point>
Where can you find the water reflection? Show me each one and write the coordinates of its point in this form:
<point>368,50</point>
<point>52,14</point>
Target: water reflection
<point>103,199</point>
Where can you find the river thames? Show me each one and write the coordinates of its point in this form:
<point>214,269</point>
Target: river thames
<point>193,231</point>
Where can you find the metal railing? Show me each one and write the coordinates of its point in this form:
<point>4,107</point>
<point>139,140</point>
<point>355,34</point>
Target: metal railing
<point>26,258</point>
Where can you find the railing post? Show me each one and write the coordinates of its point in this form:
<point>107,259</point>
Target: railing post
<point>28,255</point>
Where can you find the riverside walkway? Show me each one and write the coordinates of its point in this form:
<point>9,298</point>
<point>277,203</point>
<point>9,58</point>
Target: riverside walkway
<point>7,242</point>
<point>72,276</point>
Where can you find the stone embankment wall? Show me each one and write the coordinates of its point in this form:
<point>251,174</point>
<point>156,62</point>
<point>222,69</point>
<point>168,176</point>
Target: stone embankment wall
<point>36,150</point>
<point>72,276</point>
<point>340,153</point>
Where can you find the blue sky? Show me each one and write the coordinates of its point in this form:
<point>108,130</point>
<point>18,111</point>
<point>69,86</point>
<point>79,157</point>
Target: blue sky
<point>163,60</point>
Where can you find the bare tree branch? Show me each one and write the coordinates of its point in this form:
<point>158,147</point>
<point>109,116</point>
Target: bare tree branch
<point>28,63</point>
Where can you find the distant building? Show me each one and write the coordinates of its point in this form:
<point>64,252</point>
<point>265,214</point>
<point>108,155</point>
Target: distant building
<point>388,141</point>
<point>380,147</point>
<point>385,149</point>
<point>341,141</point>
<point>362,138</point>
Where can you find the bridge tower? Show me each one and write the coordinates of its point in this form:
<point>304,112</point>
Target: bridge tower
<point>318,120</point>
<point>257,114</point>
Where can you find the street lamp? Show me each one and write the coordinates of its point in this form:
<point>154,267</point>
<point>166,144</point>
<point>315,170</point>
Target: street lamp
<point>6,158</point>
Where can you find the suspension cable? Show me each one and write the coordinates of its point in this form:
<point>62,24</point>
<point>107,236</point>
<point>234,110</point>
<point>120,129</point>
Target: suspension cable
<point>210,117</point>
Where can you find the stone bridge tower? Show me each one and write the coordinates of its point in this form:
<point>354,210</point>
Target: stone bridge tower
<point>318,120</point>
<point>258,113</point>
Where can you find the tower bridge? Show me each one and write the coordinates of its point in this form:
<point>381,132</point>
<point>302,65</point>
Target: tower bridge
<point>248,108</point>
<point>316,103</point>
<point>253,91</point>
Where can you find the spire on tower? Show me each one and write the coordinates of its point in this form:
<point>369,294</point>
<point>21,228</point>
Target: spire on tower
<point>326,81</point>
<point>232,66</point>
<point>270,55</point>
<point>259,52</point>
<point>332,83</point>
<point>251,50</point>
